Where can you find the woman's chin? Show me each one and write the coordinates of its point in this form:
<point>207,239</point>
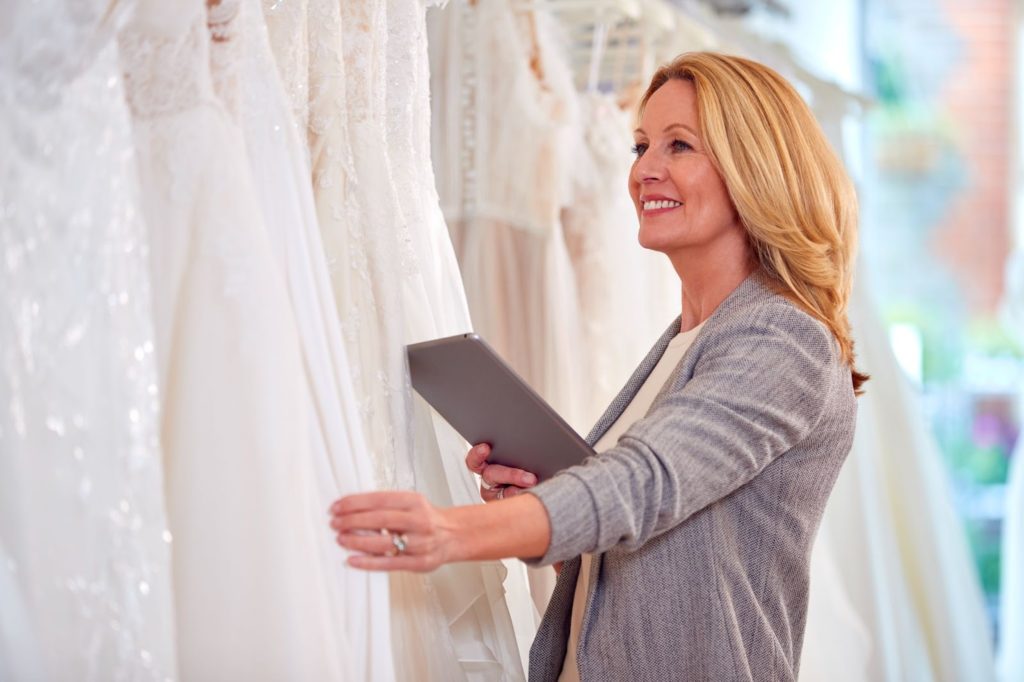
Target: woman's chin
<point>653,243</point>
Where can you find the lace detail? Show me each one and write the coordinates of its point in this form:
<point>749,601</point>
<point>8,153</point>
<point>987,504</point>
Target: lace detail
<point>393,283</point>
<point>165,75</point>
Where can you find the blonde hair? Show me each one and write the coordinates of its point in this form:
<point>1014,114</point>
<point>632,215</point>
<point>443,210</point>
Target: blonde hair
<point>792,194</point>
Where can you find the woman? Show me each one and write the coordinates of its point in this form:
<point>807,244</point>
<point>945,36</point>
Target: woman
<point>686,541</point>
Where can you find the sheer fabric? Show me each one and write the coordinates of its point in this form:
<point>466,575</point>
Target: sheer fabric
<point>361,100</point>
<point>84,562</point>
<point>278,161</point>
<point>248,585</point>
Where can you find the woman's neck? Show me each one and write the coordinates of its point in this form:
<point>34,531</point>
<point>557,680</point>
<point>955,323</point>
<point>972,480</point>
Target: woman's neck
<point>706,282</point>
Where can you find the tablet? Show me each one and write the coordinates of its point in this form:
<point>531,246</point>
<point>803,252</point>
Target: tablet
<point>486,402</point>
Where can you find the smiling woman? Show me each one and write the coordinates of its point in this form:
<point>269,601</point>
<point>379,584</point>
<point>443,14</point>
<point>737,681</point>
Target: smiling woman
<point>686,540</point>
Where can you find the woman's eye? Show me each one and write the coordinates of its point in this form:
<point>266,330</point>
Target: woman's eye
<point>680,146</point>
<point>639,148</point>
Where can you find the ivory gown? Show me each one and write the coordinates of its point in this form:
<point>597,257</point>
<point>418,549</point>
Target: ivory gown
<point>249,587</point>
<point>355,76</point>
<point>251,89</point>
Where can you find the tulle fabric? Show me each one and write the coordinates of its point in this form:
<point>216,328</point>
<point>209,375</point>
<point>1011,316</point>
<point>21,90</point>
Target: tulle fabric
<point>85,584</point>
<point>279,164</point>
<point>249,586</point>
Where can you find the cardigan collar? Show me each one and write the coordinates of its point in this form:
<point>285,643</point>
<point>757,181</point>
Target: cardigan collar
<point>756,285</point>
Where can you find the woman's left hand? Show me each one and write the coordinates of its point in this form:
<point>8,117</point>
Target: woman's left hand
<point>392,531</point>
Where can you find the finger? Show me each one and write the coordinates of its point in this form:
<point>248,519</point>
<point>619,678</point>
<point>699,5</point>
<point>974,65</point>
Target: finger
<point>380,545</point>
<point>499,493</point>
<point>394,521</point>
<point>477,456</point>
<point>497,474</point>
<point>389,499</point>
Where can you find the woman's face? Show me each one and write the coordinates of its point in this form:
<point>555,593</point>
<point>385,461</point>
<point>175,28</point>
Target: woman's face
<point>680,199</point>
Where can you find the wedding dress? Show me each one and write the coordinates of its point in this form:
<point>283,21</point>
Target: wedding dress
<point>357,87</point>
<point>84,563</point>
<point>886,532</point>
<point>278,160</point>
<point>249,589</point>
<point>505,114</point>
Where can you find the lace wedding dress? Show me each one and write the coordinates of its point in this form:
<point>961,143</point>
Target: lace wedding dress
<point>357,85</point>
<point>249,85</point>
<point>85,589</point>
<point>249,586</point>
<point>505,119</point>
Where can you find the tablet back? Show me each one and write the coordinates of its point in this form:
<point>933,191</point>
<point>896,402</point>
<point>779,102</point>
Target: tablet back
<point>486,402</point>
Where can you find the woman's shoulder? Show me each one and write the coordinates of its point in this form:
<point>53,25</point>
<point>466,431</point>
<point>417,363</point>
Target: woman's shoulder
<point>758,309</point>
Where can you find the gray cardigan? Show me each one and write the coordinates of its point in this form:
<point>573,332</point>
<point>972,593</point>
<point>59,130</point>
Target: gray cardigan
<point>703,515</point>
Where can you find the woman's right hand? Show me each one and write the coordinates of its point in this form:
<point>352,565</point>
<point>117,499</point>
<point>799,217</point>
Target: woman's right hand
<point>499,482</point>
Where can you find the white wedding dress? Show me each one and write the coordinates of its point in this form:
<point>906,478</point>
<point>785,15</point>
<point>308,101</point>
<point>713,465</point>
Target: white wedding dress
<point>278,160</point>
<point>249,585</point>
<point>85,591</point>
<point>356,81</point>
<point>506,118</point>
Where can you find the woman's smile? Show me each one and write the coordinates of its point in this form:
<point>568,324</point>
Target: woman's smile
<point>656,204</point>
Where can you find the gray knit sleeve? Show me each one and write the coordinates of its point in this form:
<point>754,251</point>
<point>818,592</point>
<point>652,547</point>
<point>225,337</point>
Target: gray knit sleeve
<point>756,391</point>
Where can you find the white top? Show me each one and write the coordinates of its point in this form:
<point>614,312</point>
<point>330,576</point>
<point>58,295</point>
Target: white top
<point>635,411</point>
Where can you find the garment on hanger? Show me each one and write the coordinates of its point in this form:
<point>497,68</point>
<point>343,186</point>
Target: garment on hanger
<point>504,118</point>
<point>85,590</point>
<point>394,281</point>
<point>886,528</point>
<point>505,114</point>
<point>279,164</point>
<point>249,588</point>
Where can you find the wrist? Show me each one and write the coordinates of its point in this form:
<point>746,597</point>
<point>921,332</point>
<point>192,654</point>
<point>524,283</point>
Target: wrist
<point>454,523</point>
<point>514,528</point>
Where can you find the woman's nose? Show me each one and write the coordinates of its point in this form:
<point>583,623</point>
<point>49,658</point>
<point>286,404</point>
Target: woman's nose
<point>649,168</point>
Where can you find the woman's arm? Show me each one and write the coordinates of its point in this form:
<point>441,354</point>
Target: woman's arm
<point>516,527</point>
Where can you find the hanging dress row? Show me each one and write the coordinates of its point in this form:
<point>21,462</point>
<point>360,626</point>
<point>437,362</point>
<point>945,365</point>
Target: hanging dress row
<point>240,301</point>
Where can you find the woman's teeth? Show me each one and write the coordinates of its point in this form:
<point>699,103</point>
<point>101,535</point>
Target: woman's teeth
<point>661,203</point>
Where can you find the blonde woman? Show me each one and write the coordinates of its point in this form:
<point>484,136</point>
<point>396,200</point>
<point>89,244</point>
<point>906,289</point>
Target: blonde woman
<point>685,543</point>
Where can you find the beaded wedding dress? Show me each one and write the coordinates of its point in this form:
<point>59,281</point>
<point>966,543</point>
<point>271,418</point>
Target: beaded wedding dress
<point>85,590</point>
<point>249,581</point>
<point>250,87</point>
<point>355,73</point>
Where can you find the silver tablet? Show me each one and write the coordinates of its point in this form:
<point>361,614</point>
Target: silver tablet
<point>486,402</point>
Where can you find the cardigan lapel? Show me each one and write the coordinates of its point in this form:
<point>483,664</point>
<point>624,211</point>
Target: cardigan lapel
<point>753,286</point>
